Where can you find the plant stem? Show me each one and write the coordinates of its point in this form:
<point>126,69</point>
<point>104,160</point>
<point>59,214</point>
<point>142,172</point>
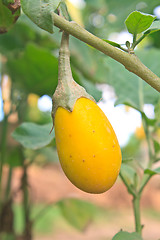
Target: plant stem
<point>145,180</point>
<point>130,61</point>
<point>134,37</point>
<point>3,146</point>
<point>138,41</point>
<point>129,188</point>
<point>26,207</point>
<point>148,138</point>
<point>8,185</point>
<point>136,209</point>
<point>136,204</point>
<point>25,193</point>
<point>134,40</point>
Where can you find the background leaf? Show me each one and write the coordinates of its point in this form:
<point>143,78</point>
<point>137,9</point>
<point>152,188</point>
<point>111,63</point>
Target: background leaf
<point>7,236</point>
<point>138,22</point>
<point>127,236</point>
<point>112,43</point>
<point>91,88</point>
<point>32,135</point>
<point>40,12</point>
<point>115,12</point>
<point>135,92</point>
<point>14,158</point>
<point>152,172</point>
<point>128,173</point>
<point>35,70</point>
<point>155,26</point>
<point>156,146</point>
<point>43,155</point>
<point>7,18</point>
<point>77,212</point>
<point>157,111</point>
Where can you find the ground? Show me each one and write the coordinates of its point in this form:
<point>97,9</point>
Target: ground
<point>48,184</point>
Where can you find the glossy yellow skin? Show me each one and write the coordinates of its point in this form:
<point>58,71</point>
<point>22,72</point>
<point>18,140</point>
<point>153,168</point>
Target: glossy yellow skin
<point>87,146</point>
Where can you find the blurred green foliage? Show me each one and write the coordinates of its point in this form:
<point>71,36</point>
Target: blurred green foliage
<point>29,55</point>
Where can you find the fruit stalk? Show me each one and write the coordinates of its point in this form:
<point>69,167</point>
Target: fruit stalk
<point>64,68</point>
<point>67,91</point>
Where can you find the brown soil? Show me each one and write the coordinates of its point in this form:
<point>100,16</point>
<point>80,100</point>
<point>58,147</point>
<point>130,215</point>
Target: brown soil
<point>49,184</point>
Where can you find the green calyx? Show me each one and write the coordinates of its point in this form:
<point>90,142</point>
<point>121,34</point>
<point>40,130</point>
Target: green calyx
<point>67,91</point>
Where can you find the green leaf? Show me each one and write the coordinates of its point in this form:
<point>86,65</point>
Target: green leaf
<point>32,135</point>
<point>77,212</point>
<point>117,11</point>
<point>127,236</point>
<point>6,2</point>
<point>157,111</point>
<point>149,121</point>
<point>128,173</point>
<point>7,18</point>
<point>156,146</point>
<point>138,22</point>
<point>155,26</point>
<point>63,10</point>
<point>14,158</point>
<point>152,172</point>
<point>24,34</point>
<point>36,70</point>
<point>49,154</point>
<point>7,236</point>
<point>91,88</point>
<point>129,88</point>
<point>92,61</point>
<point>127,160</point>
<point>40,12</point>
<point>131,149</point>
<point>112,43</point>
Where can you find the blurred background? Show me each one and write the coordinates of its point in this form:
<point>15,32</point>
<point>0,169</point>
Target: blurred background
<point>37,200</point>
